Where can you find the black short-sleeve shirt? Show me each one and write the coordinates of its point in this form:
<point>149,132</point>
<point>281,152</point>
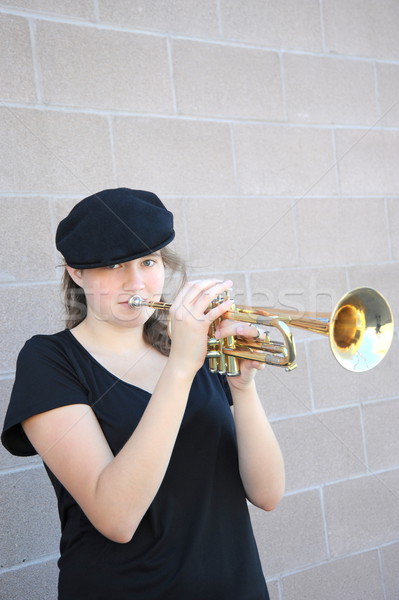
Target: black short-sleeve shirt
<point>195,541</point>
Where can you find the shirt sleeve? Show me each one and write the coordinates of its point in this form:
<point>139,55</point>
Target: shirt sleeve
<point>45,379</point>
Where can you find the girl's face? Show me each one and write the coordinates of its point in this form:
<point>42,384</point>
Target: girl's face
<point>108,289</point>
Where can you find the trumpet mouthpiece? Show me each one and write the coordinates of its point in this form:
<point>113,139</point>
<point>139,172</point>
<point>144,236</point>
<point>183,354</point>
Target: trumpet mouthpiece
<point>135,301</point>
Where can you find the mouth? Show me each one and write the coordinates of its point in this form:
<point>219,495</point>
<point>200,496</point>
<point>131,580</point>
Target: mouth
<point>134,301</point>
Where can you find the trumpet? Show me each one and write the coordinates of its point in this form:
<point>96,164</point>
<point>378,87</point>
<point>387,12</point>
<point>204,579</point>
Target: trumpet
<point>360,331</point>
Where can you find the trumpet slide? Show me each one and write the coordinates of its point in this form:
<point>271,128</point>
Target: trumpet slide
<point>360,331</point>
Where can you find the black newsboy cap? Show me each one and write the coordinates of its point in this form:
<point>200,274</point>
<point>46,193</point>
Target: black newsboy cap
<point>114,226</point>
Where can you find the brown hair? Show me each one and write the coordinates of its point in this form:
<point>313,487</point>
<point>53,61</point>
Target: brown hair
<point>155,330</point>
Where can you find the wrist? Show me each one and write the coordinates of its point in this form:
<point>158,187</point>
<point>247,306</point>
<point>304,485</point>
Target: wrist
<point>242,388</point>
<point>181,371</point>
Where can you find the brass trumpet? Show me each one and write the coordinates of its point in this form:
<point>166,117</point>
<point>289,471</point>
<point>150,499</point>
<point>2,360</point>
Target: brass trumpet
<point>360,330</point>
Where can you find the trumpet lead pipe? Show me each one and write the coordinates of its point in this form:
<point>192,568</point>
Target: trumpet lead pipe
<point>137,301</point>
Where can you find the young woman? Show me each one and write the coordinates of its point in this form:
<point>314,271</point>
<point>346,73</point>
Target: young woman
<point>151,467</point>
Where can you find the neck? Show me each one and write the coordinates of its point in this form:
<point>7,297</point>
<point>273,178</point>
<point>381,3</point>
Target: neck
<point>113,338</point>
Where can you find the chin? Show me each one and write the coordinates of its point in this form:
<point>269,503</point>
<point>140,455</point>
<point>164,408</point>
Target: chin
<point>135,318</point>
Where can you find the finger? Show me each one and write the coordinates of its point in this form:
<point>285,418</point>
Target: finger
<point>201,293</point>
<point>228,327</point>
<point>250,331</point>
<point>259,366</point>
<point>251,366</point>
<point>193,289</point>
<point>190,292</point>
<point>218,310</point>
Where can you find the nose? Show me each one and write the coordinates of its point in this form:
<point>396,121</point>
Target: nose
<point>133,281</point>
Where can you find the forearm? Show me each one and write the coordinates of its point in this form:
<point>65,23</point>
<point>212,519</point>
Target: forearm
<point>260,459</point>
<point>127,485</point>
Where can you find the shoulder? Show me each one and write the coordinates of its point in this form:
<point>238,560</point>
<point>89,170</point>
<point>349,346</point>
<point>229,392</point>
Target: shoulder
<point>42,342</point>
<point>50,360</point>
<point>47,377</point>
<point>39,347</point>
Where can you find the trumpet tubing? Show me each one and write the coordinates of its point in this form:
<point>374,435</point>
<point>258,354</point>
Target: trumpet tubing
<point>360,331</point>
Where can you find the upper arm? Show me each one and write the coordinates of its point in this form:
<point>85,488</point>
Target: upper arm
<point>71,443</point>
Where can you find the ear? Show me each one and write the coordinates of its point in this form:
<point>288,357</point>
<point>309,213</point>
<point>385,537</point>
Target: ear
<point>75,275</point>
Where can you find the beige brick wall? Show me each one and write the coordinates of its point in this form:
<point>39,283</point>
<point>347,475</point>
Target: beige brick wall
<point>271,129</point>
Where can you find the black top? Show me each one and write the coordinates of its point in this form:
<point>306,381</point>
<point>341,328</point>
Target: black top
<point>195,542</point>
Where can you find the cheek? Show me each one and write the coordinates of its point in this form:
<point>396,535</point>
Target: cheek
<point>156,280</point>
<point>97,293</point>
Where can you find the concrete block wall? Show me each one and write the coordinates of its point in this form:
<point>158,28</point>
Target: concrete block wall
<point>271,129</point>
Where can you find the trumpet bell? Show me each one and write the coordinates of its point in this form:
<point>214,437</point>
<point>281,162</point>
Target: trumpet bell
<point>361,329</point>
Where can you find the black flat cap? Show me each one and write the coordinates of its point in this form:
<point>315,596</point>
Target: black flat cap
<point>114,226</point>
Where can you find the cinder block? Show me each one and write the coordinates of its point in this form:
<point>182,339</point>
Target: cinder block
<point>381,423</point>
<point>292,536</point>
<point>36,582</point>
<point>362,513</point>
<point>17,82</point>
<point>356,577</point>
<point>274,160</point>
<point>329,90</point>
<point>393,219</point>
<point>240,234</point>
<point>273,589</point>
<point>29,515</point>
<point>179,246</point>
<point>238,290</point>
<point>332,385</point>
<point>388,89</point>
<point>191,17</point>
<point>321,447</point>
<point>382,381</point>
<point>49,151</point>
<point>177,207</point>
<point>299,290</point>
<point>342,231</point>
<point>285,394</point>
<point>174,156</point>
<point>60,207</point>
<point>367,161</point>
<point>120,70</point>
<point>362,28</point>
<point>390,562</point>
<point>36,309</point>
<point>80,9</point>
<point>280,24</point>
<point>227,81</point>
<point>26,242</point>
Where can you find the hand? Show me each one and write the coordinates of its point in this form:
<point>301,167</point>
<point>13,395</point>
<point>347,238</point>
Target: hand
<point>190,320</point>
<point>248,368</point>
<point>238,329</point>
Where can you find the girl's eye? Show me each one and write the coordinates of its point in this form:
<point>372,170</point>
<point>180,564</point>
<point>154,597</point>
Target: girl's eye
<point>116,266</point>
<point>149,262</point>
